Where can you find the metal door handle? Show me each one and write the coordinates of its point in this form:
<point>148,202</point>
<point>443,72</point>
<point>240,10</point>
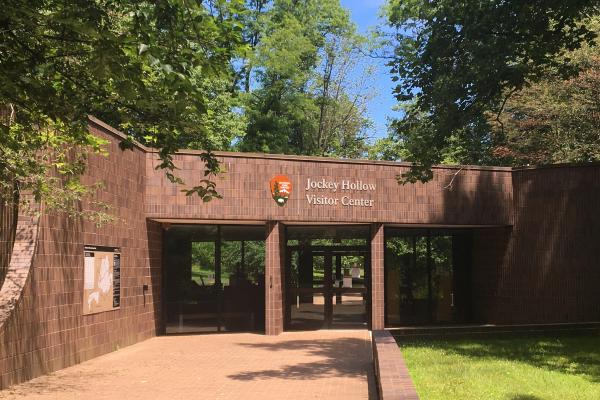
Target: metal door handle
<point>452,300</point>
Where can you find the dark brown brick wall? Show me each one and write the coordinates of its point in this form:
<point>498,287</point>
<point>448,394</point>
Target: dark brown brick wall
<point>539,264</point>
<point>274,277</point>
<point>393,378</point>
<point>377,277</point>
<point>547,267</point>
<point>47,331</point>
<point>477,195</point>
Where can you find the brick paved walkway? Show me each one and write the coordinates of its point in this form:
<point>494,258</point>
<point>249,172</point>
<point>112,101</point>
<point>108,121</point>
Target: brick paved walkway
<point>292,366</point>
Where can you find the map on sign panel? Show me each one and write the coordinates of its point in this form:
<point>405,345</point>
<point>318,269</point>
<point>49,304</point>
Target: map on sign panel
<point>101,279</point>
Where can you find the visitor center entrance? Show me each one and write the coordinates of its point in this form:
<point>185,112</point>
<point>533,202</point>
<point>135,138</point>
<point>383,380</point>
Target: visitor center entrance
<point>215,277</point>
<point>327,274</point>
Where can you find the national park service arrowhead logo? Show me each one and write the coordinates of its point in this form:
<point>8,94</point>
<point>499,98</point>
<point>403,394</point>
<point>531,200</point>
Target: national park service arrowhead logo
<point>281,188</point>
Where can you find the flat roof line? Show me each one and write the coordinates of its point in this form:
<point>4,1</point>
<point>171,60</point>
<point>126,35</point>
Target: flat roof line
<point>297,158</point>
<point>286,157</point>
<point>194,221</point>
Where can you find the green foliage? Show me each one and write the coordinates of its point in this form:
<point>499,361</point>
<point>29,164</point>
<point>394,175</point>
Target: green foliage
<point>203,260</point>
<point>388,149</point>
<point>48,165</point>
<point>254,258</point>
<point>455,62</point>
<point>224,120</point>
<point>555,120</point>
<point>298,91</point>
<point>134,64</point>
<point>169,74</point>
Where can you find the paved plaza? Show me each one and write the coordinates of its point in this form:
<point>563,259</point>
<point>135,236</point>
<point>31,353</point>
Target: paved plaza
<point>294,365</point>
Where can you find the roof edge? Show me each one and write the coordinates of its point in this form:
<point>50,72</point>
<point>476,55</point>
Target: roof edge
<point>284,157</point>
<point>115,132</point>
<point>561,165</point>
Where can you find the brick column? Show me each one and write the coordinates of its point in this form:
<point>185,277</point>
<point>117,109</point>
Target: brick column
<point>273,287</point>
<point>377,288</point>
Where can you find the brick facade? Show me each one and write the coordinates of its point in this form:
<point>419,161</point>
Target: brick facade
<point>477,195</point>
<point>47,331</point>
<point>535,251</point>
<point>274,279</point>
<point>546,268</point>
<point>377,274</point>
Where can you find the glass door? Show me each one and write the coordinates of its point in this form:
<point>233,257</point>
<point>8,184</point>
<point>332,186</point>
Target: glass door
<point>442,289</point>
<point>327,277</point>
<point>350,290</point>
<point>327,288</point>
<point>426,277</point>
<point>306,290</point>
<point>407,281</point>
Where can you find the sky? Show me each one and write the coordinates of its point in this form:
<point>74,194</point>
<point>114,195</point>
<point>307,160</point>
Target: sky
<point>365,14</point>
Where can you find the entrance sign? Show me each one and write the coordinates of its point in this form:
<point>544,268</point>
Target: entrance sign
<point>343,186</point>
<point>344,192</point>
<point>281,188</point>
<point>101,278</point>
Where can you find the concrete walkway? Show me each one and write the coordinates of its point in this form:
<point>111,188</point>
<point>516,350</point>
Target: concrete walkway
<point>294,366</point>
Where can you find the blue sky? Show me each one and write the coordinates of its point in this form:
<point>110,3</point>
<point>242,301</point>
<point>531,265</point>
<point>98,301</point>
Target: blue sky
<point>365,14</point>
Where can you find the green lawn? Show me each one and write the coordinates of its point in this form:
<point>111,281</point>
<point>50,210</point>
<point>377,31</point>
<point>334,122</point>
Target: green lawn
<point>560,367</point>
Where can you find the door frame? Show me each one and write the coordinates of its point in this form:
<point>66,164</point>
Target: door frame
<point>329,252</point>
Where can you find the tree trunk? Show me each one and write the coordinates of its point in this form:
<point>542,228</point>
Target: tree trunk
<point>8,225</point>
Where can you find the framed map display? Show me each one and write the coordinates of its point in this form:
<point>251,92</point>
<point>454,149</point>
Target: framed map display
<point>101,278</point>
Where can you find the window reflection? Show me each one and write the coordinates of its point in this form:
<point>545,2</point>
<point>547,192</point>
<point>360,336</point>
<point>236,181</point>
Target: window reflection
<point>214,278</point>
<point>426,277</point>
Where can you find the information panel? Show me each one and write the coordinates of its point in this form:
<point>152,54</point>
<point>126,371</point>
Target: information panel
<point>101,278</point>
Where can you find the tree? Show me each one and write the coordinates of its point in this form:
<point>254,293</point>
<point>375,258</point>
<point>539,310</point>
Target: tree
<point>253,20</point>
<point>555,120</point>
<point>134,64</point>
<point>301,99</point>
<point>224,120</point>
<point>455,62</point>
<point>342,96</point>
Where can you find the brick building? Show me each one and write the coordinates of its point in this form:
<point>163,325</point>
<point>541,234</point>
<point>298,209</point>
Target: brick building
<point>297,243</point>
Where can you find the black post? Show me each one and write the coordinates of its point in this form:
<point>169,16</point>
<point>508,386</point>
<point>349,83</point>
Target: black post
<point>218,257</point>
<point>429,283</point>
<point>218,285</point>
<point>328,286</point>
<point>305,270</point>
<point>338,277</point>
<point>243,260</point>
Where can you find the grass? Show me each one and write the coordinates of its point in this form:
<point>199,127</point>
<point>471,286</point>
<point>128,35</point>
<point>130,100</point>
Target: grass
<point>557,367</point>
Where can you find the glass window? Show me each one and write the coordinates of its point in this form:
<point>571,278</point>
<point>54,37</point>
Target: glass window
<point>214,278</point>
<point>423,276</point>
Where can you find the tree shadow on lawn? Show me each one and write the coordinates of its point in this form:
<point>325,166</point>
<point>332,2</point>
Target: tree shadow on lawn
<point>573,354</point>
<point>525,397</point>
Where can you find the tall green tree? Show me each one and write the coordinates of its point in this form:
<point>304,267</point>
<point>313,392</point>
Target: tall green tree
<point>132,63</point>
<point>299,100</point>
<point>342,96</point>
<point>458,61</point>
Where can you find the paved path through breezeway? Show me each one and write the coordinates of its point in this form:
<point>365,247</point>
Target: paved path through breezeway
<point>294,365</point>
